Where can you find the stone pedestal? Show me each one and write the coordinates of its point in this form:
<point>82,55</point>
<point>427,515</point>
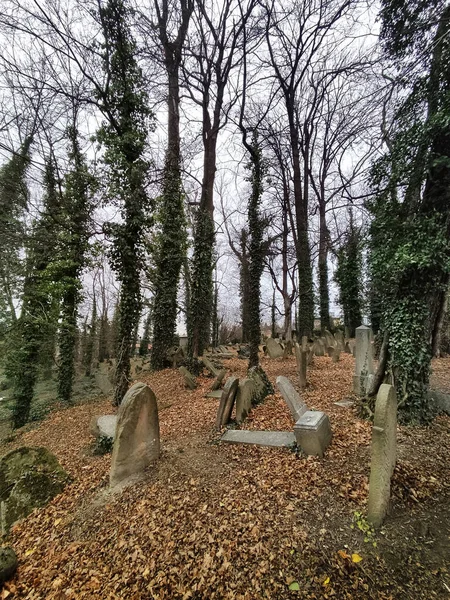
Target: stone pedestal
<point>313,432</point>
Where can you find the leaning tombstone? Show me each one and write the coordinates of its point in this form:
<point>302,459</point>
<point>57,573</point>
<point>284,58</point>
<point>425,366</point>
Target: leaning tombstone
<point>218,380</point>
<point>301,358</point>
<point>313,432</point>
<point>244,396</point>
<point>189,380</point>
<point>291,397</point>
<point>227,402</point>
<point>136,442</point>
<point>274,348</point>
<point>383,454</point>
<point>363,360</point>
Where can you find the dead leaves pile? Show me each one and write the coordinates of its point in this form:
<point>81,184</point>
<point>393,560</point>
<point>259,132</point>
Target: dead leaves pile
<point>213,521</point>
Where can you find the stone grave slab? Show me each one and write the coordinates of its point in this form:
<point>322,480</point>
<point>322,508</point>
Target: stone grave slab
<point>383,454</point>
<point>345,403</point>
<point>276,439</point>
<point>215,394</point>
<point>274,349</point>
<point>313,432</point>
<point>291,397</point>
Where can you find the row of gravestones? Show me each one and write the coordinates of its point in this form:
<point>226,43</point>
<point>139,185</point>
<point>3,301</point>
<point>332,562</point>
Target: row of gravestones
<point>329,344</point>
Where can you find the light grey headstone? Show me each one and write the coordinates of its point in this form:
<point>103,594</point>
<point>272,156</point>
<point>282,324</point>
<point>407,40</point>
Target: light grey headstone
<point>318,347</point>
<point>291,397</point>
<point>277,439</point>
<point>103,381</point>
<point>313,432</point>
<point>363,359</point>
<point>383,454</point>
<point>218,380</point>
<point>104,426</point>
<point>136,442</point>
<point>340,340</point>
<point>227,402</point>
<point>329,338</point>
<point>274,349</point>
<point>244,397</point>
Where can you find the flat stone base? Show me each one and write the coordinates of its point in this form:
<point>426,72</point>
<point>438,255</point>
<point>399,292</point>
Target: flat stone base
<point>215,394</point>
<point>313,432</point>
<point>277,439</point>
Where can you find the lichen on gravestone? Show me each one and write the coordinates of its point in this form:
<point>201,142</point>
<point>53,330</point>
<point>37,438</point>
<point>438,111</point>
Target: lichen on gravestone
<point>29,478</point>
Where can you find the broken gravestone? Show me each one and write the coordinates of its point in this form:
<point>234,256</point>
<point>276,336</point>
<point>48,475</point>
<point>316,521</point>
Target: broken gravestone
<point>218,380</point>
<point>313,432</point>
<point>29,478</point>
<point>227,402</point>
<point>275,439</point>
<point>137,442</point>
<point>383,454</point>
<point>189,380</point>
<point>274,349</point>
<point>291,397</point>
<point>244,397</point>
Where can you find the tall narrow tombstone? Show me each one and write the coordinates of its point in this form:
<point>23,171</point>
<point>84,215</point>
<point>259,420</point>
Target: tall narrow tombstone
<point>301,358</point>
<point>136,441</point>
<point>340,341</point>
<point>227,402</point>
<point>291,397</point>
<point>318,348</point>
<point>329,338</point>
<point>244,396</point>
<point>383,454</point>
<point>363,359</point>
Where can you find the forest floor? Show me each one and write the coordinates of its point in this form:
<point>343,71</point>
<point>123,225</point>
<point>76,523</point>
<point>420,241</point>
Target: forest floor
<point>214,521</point>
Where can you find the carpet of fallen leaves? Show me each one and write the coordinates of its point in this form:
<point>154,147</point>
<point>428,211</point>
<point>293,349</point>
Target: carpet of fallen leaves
<point>214,521</point>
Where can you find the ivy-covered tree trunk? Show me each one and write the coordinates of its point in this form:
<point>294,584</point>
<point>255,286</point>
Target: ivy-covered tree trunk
<point>244,283</point>
<point>411,233</point>
<point>273,317</point>
<point>37,300</point>
<point>74,245</point>
<point>215,319</point>
<point>256,250</point>
<point>146,335</point>
<point>324,294</point>
<point>90,341</point>
<point>172,243</point>
<point>125,106</point>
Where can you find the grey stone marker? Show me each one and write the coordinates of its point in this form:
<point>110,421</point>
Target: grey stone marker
<point>103,381</point>
<point>227,402</point>
<point>363,360</point>
<point>318,348</point>
<point>340,340</point>
<point>215,394</point>
<point>329,338</point>
<point>211,368</point>
<point>330,351</point>
<point>313,432</point>
<point>189,380</point>
<point>383,454</point>
<point>274,349</point>
<point>244,397</point>
<point>301,357</point>
<point>218,380</point>
<point>291,397</point>
<point>104,426</point>
<point>276,439</point>
<point>136,442</point>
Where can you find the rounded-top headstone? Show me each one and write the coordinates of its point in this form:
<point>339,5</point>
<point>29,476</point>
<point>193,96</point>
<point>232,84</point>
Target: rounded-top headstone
<point>136,442</point>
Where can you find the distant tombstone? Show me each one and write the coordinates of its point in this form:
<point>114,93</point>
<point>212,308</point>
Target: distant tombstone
<point>103,382</point>
<point>340,340</point>
<point>383,454</point>
<point>363,360</point>
<point>218,380</point>
<point>136,442</point>
<point>189,380</point>
<point>274,349</point>
<point>313,432</point>
<point>291,397</point>
<point>335,355</point>
<point>329,338</point>
<point>244,396</point>
<point>301,356</point>
<point>211,368</point>
<point>318,348</point>
<point>227,402</point>
<point>330,351</point>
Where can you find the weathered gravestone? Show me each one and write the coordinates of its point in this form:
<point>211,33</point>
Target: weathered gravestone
<point>218,380</point>
<point>244,397</point>
<point>104,426</point>
<point>227,402</point>
<point>29,478</point>
<point>136,442</point>
<point>275,439</point>
<point>301,357</point>
<point>364,367</point>
<point>103,382</point>
<point>383,454</point>
<point>291,397</point>
<point>189,380</point>
<point>329,338</point>
<point>318,347</point>
<point>340,340</point>
<point>274,349</point>
<point>263,387</point>
<point>313,432</point>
